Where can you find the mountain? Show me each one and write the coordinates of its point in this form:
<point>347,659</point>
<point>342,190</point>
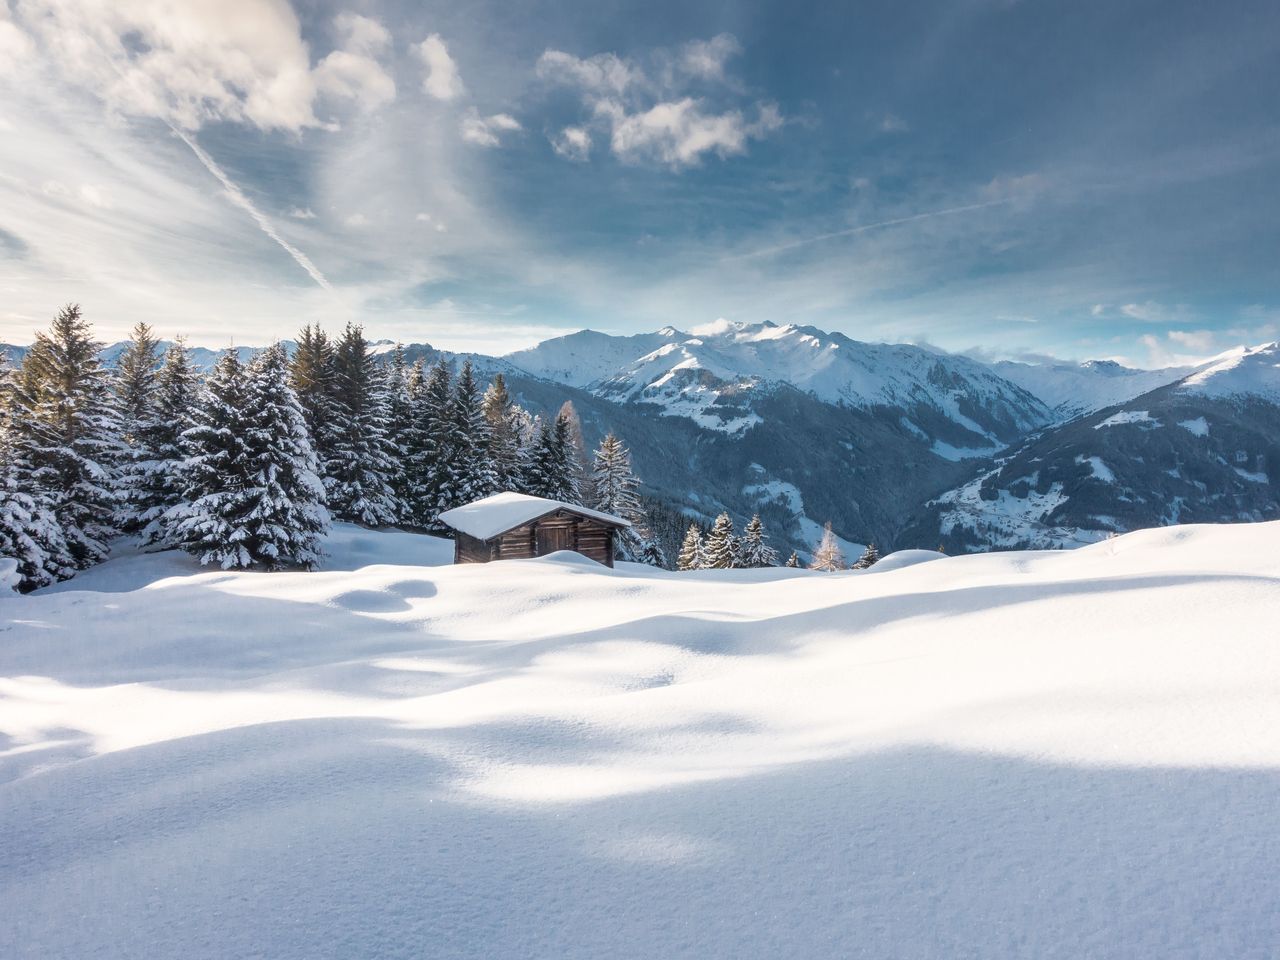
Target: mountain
<point>1203,449</point>
<point>1072,389</point>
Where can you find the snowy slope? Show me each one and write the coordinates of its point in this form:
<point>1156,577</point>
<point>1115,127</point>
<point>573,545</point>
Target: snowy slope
<point>1249,372</point>
<point>581,358</point>
<point>1072,389</point>
<point>832,367</point>
<point>1044,754</point>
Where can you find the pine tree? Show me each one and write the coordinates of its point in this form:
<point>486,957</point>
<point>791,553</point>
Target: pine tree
<point>614,486</point>
<point>754,546</point>
<point>720,552</point>
<point>157,481</point>
<point>70,434</point>
<point>251,493</point>
<point>869,557</point>
<point>691,551</point>
<point>431,475</point>
<point>286,516</point>
<point>468,444</point>
<point>575,454</point>
<point>395,382</point>
<point>793,561</point>
<point>551,472</point>
<point>136,385</point>
<point>311,375</point>
<point>30,534</point>
<point>362,459</point>
<point>827,555</point>
<point>651,552</point>
<point>207,523</point>
<point>504,438</point>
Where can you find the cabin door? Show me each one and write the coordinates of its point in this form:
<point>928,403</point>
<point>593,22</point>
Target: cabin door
<point>551,539</point>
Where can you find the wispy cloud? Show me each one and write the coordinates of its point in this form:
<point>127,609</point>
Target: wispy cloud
<point>237,196</point>
<point>862,228</point>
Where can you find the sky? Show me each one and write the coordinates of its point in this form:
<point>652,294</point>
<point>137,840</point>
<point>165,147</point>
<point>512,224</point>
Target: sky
<point>1012,179</point>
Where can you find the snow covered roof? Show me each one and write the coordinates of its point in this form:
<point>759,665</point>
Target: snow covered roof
<point>485,519</point>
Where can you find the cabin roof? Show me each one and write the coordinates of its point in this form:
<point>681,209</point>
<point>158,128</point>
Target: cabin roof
<point>494,515</point>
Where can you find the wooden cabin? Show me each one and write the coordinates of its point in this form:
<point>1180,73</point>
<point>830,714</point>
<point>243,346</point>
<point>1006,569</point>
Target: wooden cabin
<point>516,526</point>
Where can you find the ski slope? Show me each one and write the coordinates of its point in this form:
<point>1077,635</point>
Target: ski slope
<point>1059,754</point>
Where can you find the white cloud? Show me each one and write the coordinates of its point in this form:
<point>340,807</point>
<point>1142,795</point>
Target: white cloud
<point>707,58</point>
<point>191,63</point>
<point>1098,310</point>
<point>357,220</point>
<point>302,213</point>
<point>663,114</point>
<point>573,143</point>
<point>679,133</point>
<point>442,80</point>
<point>487,131</point>
<point>891,123</point>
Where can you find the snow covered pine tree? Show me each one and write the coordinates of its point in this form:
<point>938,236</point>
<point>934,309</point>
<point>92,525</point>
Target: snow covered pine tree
<point>869,557</point>
<point>754,549</point>
<point>614,486</point>
<point>691,551</point>
<point>252,496</point>
<point>827,555</point>
<point>721,549</point>
<point>136,386</point>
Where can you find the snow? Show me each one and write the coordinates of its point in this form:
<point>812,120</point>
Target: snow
<point>1253,476</point>
<point>9,578</point>
<point>1072,389</point>
<point>1050,754</point>
<point>1199,426</point>
<point>1010,521</point>
<point>948,452</point>
<point>1127,416</point>
<point>905,558</point>
<point>1247,372</point>
<point>1100,471</point>
<point>776,491</point>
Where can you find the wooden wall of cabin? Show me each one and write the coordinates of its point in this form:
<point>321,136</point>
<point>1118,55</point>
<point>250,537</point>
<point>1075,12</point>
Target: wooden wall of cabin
<point>588,537</point>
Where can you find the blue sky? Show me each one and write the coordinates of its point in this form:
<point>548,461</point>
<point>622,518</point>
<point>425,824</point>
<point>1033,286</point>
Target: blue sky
<point>1077,179</point>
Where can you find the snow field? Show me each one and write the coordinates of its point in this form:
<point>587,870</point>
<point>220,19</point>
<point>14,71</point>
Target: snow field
<point>1006,755</point>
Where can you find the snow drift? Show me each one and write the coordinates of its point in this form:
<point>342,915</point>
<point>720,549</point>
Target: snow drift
<point>1027,754</point>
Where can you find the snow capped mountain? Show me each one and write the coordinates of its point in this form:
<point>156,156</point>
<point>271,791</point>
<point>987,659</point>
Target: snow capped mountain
<point>1072,389</point>
<point>581,358</point>
<point>1203,449</point>
<point>712,374</point>
<point>1244,373</point>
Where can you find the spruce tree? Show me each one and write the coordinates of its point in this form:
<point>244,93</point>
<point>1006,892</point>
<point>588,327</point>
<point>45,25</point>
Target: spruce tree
<point>550,472</point>
<point>251,493</point>
<point>311,375</point>
<point>30,534</point>
<point>691,551</point>
<point>793,561</point>
<point>71,439</point>
<point>575,454</point>
<point>651,552</point>
<point>362,459</point>
<point>396,383</point>
<point>158,483</point>
<point>868,559</point>
<point>208,521</point>
<point>468,444</point>
<point>754,547</point>
<point>720,551</point>
<point>430,474</point>
<point>827,555</point>
<point>614,486</point>
<point>286,515</point>
<point>136,386</point>
<point>504,438</point>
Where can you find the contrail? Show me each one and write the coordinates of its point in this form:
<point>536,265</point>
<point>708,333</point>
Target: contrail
<point>766,251</point>
<point>237,196</point>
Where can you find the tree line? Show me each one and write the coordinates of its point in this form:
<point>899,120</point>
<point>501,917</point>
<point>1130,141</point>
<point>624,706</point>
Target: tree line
<point>248,465</point>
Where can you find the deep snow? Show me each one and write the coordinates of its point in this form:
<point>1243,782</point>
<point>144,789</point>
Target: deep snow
<point>1056,754</point>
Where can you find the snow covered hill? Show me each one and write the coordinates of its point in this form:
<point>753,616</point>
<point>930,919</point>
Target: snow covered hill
<point>1045,754</point>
